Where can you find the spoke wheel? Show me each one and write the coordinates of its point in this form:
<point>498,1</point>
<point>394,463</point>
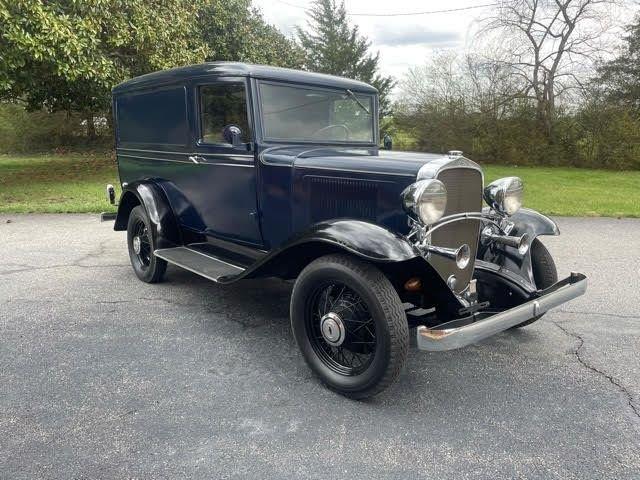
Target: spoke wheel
<point>141,242</point>
<point>341,330</point>
<point>349,324</point>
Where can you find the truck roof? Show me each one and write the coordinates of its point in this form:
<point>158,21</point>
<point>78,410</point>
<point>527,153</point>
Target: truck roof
<point>238,69</point>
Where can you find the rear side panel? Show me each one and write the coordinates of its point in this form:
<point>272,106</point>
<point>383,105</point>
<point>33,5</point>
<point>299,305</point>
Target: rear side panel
<point>210,187</point>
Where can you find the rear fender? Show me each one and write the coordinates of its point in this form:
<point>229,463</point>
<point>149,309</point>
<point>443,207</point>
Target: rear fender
<point>152,197</point>
<point>524,221</point>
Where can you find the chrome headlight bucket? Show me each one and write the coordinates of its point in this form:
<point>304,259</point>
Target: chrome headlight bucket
<point>505,195</point>
<point>425,200</point>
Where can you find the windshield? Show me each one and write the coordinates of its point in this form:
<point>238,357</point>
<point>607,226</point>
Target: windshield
<point>315,114</point>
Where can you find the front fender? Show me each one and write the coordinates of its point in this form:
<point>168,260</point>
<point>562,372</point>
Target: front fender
<point>524,221</point>
<point>534,223</point>
<point>163,221</point>
<point>391,252</point>
<point>365,240</point>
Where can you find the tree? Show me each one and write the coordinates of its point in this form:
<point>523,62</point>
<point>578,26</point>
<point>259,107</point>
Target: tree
<point>331,45</point>
<point>68,54</point>
<point>457,101</point>
<point>233,30</point>
<point>620,77</point>
<point>548,42</point>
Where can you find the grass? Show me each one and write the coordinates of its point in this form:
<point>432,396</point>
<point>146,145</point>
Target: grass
<point>576,192</point>
<point>74,183</point>
<point>71,183</point>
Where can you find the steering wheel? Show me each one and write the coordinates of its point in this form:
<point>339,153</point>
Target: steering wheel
<point>347,132</point>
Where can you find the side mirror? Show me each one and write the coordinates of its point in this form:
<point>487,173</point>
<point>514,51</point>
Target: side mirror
<point>232,134</point>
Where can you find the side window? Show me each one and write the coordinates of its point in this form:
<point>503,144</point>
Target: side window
<point>221,106</point>
<point>155,117</point>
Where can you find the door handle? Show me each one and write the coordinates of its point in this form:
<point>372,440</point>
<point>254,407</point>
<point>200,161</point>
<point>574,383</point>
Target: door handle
<point>196,159</point>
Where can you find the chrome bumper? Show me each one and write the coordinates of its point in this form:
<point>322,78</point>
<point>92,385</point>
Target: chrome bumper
<point>442,338</point>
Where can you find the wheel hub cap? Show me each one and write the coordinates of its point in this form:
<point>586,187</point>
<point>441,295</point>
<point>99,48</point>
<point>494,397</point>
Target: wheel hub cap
<point>136,244</point>
<point>332,329</point>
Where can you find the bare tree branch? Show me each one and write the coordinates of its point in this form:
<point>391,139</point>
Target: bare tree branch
<point>551,41</point>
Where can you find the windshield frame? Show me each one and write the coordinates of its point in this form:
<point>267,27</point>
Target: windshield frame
<point>312,86</point>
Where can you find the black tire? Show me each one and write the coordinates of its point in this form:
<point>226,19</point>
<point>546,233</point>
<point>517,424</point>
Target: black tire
<point>544,270</point>
<point>146,265</point>
<point>365,300</point>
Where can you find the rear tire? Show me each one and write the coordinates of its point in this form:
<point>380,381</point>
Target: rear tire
<point>544,270</point>
<point>141,243</point>
<point>350,325</point>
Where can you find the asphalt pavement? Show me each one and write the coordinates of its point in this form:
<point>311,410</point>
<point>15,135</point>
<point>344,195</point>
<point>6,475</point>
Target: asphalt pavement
<point>103,376</point>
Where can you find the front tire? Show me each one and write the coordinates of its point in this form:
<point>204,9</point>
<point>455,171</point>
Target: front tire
<point>544,270</point>
<point>350,325</point>
<point>141,243</point>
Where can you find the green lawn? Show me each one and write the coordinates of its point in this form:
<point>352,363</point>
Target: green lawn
<point>576,192</point>
<point>75,183</point>
<point>71,183</point>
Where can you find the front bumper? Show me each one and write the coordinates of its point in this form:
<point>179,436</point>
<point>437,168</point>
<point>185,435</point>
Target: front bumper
<point>449,337</point>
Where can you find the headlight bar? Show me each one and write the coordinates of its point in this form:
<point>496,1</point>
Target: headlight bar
<point>499,235</point>
<point>456,217</point>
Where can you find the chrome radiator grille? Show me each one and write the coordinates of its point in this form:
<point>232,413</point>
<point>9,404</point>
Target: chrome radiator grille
<point>464,194</point>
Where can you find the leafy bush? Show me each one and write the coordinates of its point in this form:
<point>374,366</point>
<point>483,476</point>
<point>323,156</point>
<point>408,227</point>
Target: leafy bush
<point>22,131</point>
<point>609,137</point>
<point>596,136</point>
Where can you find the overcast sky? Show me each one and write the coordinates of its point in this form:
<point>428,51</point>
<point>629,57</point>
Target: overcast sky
<point>408,40</point>
<point>403,41</point>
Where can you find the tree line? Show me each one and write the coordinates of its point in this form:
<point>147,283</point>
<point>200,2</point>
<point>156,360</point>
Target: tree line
<point>534,89</point>
<point>66,55</point>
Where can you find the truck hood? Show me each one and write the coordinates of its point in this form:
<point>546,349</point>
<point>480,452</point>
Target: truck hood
<point>365,161</point>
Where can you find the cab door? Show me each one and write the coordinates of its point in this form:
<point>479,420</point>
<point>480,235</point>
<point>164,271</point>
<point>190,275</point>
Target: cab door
<point>223,162</point>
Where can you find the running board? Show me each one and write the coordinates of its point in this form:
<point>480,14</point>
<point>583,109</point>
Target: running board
<point>201,263</point>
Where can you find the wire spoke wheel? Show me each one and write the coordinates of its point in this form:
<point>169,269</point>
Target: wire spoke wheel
<point>349,323</point>
<point>341,329</point>
<point>142,244</point>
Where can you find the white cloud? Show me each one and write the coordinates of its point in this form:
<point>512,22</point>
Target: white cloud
<point>403,41</point>
<point>415,35</point>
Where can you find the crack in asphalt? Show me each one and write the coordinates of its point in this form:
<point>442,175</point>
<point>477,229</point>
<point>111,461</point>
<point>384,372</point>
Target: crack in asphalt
<point>29,268</point>
<point>100,251</point>
<point>217,307</point>
<point>163,300</point>
<point>615,315</point>
<point>588,366</point>
<point>119,302</point>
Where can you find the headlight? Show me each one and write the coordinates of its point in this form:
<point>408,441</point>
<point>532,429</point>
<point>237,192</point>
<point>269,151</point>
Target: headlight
<point>426,200</point>
<point>505,195</point>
